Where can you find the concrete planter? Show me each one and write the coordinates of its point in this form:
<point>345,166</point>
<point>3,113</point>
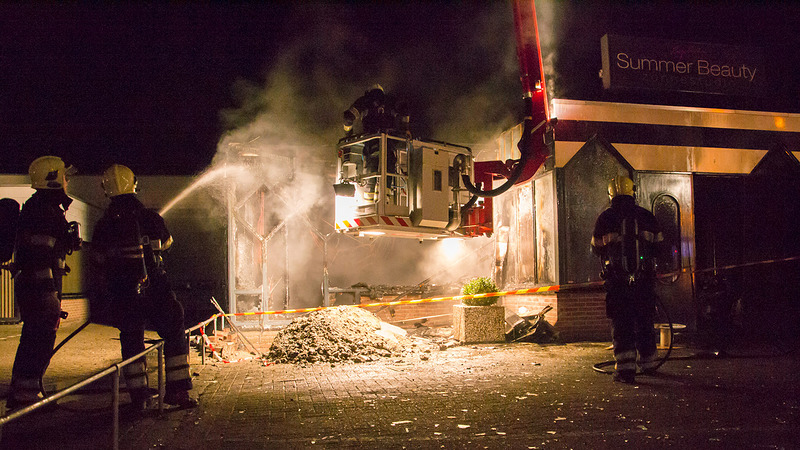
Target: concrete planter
<point>479,324</point>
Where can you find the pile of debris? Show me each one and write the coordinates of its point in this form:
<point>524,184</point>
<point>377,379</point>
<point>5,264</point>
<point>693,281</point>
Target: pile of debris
<point>343,334</point>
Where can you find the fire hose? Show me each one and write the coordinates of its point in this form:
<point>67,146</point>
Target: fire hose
<point>600,367</point>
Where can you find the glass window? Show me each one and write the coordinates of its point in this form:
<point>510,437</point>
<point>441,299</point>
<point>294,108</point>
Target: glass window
<point>437,180</point>
<point>668,213</point>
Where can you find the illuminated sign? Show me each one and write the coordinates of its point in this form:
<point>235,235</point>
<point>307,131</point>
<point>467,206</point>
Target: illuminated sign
<point>638,63</point>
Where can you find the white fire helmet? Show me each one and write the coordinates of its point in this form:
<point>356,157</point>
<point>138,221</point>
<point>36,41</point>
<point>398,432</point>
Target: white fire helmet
<point>620,185</point>
<point>49,172</point>
<point>118,180</point>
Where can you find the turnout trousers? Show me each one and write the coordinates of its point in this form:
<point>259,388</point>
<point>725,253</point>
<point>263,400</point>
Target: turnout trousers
<point>159,309</point>
<point>631,309</point>
<point>40,313</point>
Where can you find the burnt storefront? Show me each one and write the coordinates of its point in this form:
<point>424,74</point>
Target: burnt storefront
<point>724,184</point>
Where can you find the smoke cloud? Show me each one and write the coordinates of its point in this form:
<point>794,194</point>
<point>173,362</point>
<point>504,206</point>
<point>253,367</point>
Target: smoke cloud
<point>456,67</point>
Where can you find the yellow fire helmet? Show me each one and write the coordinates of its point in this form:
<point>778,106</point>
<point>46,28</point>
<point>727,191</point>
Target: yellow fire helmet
<point>118,180</point>
<point>620,185</point>
<point>49,172</point>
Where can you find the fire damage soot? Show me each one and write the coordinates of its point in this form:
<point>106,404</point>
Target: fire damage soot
<point>336,335</point>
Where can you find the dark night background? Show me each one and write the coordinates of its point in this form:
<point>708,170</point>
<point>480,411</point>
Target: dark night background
<point>157,86</point>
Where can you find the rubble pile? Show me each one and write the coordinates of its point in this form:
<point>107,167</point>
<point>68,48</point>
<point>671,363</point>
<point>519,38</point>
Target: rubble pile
<point>342,334</point>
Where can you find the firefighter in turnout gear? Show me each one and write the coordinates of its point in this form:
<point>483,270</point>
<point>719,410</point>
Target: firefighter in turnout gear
<point>628,238</point>
<point>127,245</point>
<point>377,112</point>
<point>43,240</point>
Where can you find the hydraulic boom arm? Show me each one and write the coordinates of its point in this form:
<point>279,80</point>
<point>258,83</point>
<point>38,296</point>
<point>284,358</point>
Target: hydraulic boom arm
<point>532,146</point>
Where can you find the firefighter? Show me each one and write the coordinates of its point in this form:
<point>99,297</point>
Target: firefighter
<point>628,238</point>
<point>43,240</point>
<point>128,244</point>
<point>378,113</point>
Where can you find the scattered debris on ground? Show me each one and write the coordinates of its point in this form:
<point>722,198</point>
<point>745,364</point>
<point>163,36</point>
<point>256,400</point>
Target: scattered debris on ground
<point>344,334</point>
<point>224,346</point>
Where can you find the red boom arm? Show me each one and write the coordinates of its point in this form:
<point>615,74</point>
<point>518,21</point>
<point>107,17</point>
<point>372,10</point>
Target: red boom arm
<point>532,146</point>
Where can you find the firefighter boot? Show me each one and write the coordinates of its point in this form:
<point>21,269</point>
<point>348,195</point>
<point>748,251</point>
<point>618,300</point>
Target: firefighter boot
<point>13,403</point>
<point>141,399</point>
<point>180,398</point>
<point>625,376</point>
<point>24,392</point>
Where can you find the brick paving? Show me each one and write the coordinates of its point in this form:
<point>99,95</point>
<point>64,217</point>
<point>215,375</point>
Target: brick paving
<point>484,396</point>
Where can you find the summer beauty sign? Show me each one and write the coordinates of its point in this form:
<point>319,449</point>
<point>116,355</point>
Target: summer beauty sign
<point>640,63</point>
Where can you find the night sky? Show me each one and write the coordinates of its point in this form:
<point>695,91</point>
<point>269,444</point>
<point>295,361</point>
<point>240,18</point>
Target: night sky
<point>156,87</point>
<point>143,85</point>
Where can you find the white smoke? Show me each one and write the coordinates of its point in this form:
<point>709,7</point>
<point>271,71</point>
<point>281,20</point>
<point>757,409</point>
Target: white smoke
<point>546,17</point>
<point>284,130</point>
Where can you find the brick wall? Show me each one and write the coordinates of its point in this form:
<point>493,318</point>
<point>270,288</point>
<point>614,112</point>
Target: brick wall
<point>78,309</point>
<point>437,313</point>
<point>578,316</point>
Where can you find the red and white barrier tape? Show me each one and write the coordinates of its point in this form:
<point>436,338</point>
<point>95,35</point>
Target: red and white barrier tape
<point>553,288</point>
<point>214,352</point>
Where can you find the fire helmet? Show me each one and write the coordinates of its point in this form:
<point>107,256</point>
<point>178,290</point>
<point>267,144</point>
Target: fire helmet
<point>49,172</point>
<point>118,180</point>
<point>620,185</point>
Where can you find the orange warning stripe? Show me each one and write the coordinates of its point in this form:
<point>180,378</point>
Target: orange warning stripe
<point>401,221</point>
<point>211,347</point>
<point>214,351</point>
<point>421,300</point>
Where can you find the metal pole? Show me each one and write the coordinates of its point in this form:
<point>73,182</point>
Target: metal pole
<point>161,379</point>
<point>232,244</point>
<point>286,265</point>
<point>264,277</point>
<point>236,329</point>
<point>325,286</point>
<point>203,346</point>
<point>115,408</point>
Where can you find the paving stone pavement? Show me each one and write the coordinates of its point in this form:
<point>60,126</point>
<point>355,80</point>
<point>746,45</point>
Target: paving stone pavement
<point>474,396</point>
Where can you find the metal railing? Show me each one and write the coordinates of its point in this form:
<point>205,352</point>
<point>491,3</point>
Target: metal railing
<point>115,371</point>
<point>203,324</point>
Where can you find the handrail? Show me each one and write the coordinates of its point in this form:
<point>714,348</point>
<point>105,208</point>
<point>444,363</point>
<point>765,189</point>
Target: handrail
<point>202,324</point>
<point>116,370</point>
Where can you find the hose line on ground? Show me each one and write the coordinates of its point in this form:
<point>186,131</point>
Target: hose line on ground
<point>600,367</point>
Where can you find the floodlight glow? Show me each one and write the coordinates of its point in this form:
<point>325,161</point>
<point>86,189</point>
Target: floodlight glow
<point>452,248</point>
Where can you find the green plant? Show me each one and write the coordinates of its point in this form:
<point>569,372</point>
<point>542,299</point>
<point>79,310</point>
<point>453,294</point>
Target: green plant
<point>480,285</point>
